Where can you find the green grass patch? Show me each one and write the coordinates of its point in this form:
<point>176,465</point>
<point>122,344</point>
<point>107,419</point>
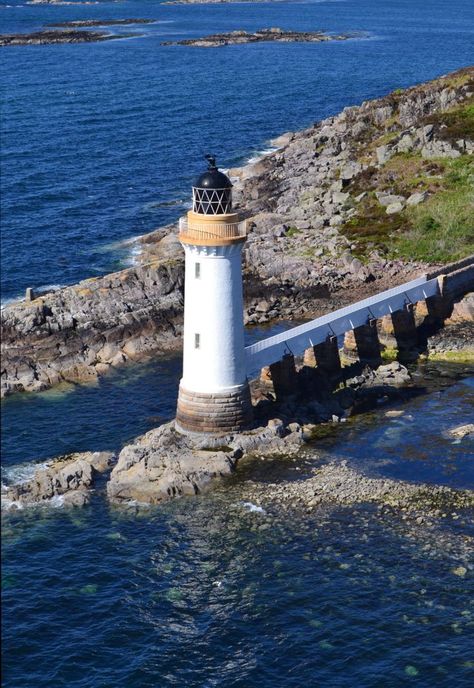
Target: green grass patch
<point>372,228</point>
<point>389,354</point>
<point>455,124</point>
<point>439,230</point>
<point>442,228</point>
<point>292,231</point>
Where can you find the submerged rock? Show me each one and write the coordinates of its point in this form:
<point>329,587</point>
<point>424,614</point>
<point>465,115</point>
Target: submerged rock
<point>462,431</point>
<point>338,483</point>
<point>51,37</point>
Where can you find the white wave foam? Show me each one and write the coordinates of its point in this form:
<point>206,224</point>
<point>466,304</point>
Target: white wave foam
<point>55,502</point>
<point>7,302</point>
<point>131,246</point>
<point>253,508</point>
<point>259,155</point>
<point>48,287</point>
<point>22,472</point>
<point>118,245</point>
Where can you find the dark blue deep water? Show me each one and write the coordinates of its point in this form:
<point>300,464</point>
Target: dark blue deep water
<point>99,144</point>
<point>98,139</point>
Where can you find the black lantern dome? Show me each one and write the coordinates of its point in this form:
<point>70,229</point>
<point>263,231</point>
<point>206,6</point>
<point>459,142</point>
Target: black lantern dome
<point>212,191</point>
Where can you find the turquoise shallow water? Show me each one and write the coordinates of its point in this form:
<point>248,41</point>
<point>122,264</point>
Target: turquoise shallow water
<point>99,145</point>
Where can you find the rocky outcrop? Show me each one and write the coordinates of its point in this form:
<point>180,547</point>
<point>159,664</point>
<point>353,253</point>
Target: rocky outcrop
<point>51,37</point>
<point>462,431</point>
<point>79,332</point>
<point>79,23</point>
<point>202,2</point>
<point>164,464</point>
<point>70,32</point>
<point>275,35</point>
<point>68,478</point>
<point>304,196</point>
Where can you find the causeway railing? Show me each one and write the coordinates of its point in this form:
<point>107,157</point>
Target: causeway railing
<point>298,339</point>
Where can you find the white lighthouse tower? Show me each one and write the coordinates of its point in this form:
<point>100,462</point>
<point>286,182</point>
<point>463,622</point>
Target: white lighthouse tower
<point>214,394</point>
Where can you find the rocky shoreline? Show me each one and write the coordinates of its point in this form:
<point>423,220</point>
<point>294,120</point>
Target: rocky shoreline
<point>209,2</point>
<point>300,260</point>
<point>337,483</point>
<point>163,464</point>
<point>275,35</point>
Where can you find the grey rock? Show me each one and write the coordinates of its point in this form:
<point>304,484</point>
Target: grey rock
<point>337,482</point>
<point>394,208</point>
<point>350,170</point>
<point>417,198</point>
<point>336,221</point>
<point>461,431</point>
<point>405,144</point>
<point>439,149</point>
<point>339,197</point>
<point>163,464</point>
<point>387,199</point>
<point>384,153</point>
<point>69,477</point>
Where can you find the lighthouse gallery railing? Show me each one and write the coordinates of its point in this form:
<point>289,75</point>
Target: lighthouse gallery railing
<point>212,230</point>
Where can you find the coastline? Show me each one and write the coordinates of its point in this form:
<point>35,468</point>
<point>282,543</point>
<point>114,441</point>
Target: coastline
<point>163,465</point>
<point>299,261</point>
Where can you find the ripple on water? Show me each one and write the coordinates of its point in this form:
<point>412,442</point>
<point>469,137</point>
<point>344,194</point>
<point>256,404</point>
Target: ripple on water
<point>200,593</point>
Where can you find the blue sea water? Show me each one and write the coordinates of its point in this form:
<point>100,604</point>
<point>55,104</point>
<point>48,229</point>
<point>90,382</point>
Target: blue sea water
<point>100,143</point>
<point>98,139</point>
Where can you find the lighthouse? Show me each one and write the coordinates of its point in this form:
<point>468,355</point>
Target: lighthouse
<point>214,396</point>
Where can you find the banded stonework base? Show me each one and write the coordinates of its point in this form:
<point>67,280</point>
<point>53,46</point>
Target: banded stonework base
<point>218,413</point>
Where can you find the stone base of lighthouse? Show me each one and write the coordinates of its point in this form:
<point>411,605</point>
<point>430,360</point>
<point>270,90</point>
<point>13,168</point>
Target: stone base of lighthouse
<point>218,413</point>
